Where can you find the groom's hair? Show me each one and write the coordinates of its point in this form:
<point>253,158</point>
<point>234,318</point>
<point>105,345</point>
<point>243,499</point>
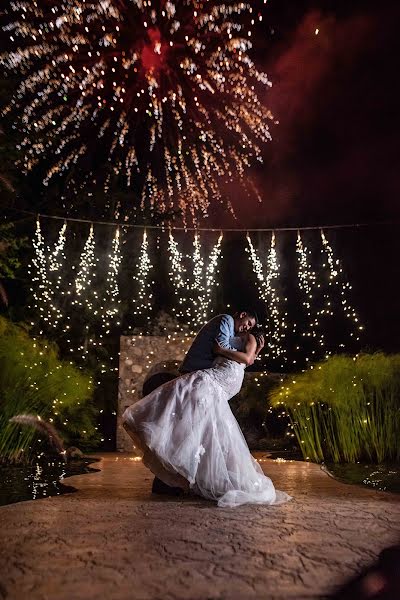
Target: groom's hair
<point>249,312</point>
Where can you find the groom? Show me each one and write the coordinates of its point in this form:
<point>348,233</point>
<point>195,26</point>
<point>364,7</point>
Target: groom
<point>223,329</point>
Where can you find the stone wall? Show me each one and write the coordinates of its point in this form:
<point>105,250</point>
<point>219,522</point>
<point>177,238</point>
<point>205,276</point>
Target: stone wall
<point>139,356</point>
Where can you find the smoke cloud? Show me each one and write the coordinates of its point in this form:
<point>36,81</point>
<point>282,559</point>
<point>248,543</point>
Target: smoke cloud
<point>333,157</point>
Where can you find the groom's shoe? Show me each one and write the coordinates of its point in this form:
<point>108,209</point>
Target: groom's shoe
<point>159,487</point>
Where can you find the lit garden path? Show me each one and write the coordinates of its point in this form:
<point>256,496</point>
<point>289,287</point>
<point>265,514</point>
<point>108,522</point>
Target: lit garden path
<point>114,540</point>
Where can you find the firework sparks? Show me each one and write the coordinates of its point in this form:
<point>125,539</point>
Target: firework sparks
<point>156,94</point>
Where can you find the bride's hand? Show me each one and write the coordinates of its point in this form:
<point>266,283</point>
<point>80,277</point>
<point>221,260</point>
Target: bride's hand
<point>246,358</point>
<point>260,343</point>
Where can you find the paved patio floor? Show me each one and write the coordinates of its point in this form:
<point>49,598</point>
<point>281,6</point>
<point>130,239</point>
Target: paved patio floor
<point>113,540</point>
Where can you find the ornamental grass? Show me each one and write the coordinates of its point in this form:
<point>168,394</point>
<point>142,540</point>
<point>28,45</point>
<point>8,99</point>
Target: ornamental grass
<point>34,381</point>
<point>346,409</point>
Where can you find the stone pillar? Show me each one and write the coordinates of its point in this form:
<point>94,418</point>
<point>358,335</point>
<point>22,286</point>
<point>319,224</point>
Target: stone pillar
<point>139,355</point>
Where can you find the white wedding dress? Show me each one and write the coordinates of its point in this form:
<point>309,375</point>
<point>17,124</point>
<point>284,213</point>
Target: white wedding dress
<point>190,438</point>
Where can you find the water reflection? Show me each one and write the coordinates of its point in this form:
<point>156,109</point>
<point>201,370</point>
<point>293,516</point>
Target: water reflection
<point>42,479</point>
<point>384,477</point>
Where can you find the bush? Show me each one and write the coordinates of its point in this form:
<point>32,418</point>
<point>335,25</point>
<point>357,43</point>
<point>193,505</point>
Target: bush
<point>33,380</point>
<point>346,409</point>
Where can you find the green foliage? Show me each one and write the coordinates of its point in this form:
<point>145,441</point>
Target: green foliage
<point>10,246</point>
<point>33,380</point>
<point>346,409</point>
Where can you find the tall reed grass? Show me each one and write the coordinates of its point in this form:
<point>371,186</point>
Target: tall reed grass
<point>346,409</point>
<point>34,381</point>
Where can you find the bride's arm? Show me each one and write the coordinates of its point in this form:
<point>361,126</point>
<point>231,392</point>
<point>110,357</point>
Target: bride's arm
<point>247,357</point>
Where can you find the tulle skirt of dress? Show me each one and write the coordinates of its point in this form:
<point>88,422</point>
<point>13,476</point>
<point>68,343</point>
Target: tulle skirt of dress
<point>190,438</point>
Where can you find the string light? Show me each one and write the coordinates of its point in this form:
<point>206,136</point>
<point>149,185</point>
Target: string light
<point>56,262</point>
<point>178,277</point>
<point>268,290</point>
<point>194,280</point>
<point>338,280</point>
<point>84,294</point>
<point>110,310</point>
<point>57,256</point>
<point>194,276</point>
<point>197,287</point>
<point>307,281</point>
<point>212,272</point>
<point>159,94</point>
<point>42,290</point>
<point>38,273</point>
<point>276,316</point>
<point>86,273</point>
<point>144,299</point>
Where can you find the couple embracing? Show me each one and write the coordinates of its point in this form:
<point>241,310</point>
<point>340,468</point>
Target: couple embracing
<point>186,430</point>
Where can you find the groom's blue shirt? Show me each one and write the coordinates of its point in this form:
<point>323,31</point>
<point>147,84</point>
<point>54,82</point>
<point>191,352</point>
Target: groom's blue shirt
<point>200,354</point>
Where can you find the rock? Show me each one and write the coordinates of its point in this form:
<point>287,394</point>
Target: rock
<point>73,452</point>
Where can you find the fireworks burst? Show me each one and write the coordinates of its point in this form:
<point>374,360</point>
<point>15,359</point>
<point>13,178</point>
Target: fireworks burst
<point>157,94</point>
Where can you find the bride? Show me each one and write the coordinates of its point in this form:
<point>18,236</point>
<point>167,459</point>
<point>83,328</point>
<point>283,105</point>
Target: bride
<point>190,438</point>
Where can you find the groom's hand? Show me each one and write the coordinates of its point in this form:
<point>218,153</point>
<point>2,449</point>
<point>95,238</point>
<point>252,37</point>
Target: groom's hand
<point>217,347</point>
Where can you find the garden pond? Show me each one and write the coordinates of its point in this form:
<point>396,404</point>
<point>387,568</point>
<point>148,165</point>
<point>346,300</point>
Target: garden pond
<point>40,479</point>
<point>384,477</point>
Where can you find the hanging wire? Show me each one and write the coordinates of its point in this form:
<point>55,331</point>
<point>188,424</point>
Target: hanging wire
<point>181,228</point>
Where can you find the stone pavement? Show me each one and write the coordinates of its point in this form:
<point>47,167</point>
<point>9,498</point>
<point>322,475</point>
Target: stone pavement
<point>113,540</point>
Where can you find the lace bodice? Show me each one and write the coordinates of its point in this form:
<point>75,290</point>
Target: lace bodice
<point>228,374</point>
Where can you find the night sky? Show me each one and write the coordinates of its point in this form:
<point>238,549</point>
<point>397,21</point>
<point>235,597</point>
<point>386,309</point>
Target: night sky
<point>334,154</point>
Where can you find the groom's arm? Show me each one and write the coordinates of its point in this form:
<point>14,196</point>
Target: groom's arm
<point>226,332</point>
